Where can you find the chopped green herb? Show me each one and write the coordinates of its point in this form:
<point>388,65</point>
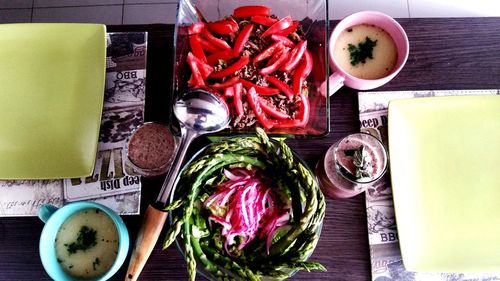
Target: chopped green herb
<point>59,260</point>
<point>71,266</point>
<point>363,51</point>
<point>86,239</point>
<point>97,261</point>
<point>360,162</point>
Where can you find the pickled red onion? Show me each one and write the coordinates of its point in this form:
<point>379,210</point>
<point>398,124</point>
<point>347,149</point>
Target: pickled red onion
<point>250,208</point>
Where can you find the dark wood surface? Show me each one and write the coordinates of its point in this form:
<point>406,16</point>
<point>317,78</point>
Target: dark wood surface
<point>462,53</point>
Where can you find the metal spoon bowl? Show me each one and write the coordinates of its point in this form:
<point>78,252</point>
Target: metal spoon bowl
<point>199,112</point>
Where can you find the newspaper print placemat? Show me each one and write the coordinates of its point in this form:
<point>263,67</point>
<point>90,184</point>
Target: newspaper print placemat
<point>386,261</point>
<point>113,182</point>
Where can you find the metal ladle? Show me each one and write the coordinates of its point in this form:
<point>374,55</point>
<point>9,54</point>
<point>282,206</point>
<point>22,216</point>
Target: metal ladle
<point>199,112</point>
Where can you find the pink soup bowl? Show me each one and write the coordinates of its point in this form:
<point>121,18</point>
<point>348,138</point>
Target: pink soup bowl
<point>340,78</point>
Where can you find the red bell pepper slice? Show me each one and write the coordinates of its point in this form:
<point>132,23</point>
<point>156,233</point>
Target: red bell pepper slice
<point>293,26</point>
<point>239,64</point>
<point>253,100</point>
<point>223,27</point>
<point>305,110</point>
<point>248,11</point>
<point>207,46</point>
<point>262,90</point>
<point>222,55</point>
<point>303,116</point>
<point>308,60</point>
<point>221,44</point>
<point>237,99</point>
<point>229,92</point>
<point>271,110</point>
<point>196,28</point>
<point>276,54</point>
<point>302,72</point>
<point>282,24</point>
<point>204,68</point>
<point>295,56</point>
<point>227,84</point>
<point>269,51</point>
<point>274,64</point>
<point>242,39</point>
<point>263,20</point>
<point>284,40</point>
<point>281,86</point>
<point>297,82</point>
<point>196,77</point>
<point>194,42</point>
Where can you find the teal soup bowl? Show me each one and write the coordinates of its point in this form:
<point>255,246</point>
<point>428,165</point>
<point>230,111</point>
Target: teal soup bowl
<point>82,241</point>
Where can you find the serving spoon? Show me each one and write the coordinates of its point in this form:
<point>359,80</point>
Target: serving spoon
<point>199,112</point>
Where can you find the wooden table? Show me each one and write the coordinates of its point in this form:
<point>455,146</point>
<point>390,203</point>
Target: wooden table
<point>461,53</point>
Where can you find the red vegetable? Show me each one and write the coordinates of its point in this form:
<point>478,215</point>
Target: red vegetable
<point>221,44</point>
<point>196,77</point>
<point>194,42</point>
<point>204,68</point>
<point>223,27</point>
<point>295,56</point>
<point>284,40</point>
<point>269,51</point>
<point>238,103</point>
<point>305,110</point>
<point>222,55</point>
<point>281,57</point>
<point>297,83</point>
<point>253,100</point>
<point>263,20</point>
<point>242,39</point>
<point>196,28</point>
<point>303,116</point>
<point>229,92</point>
<point>280,53</point>
<point>262,90</point>
<point>278,26</point>
<point>248,11</point>
<point>239,64</point>
<point>271,110</point>
<point>282,86</point>
<point>302,72</point>
<point>228,84</point>
<point>246,206</point>
<point>208,46</point>
<point>309,63</point>
<point>293,26</point>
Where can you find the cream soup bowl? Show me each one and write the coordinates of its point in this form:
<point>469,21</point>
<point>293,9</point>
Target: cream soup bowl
<point>54,217</point>
<point>340,77</point>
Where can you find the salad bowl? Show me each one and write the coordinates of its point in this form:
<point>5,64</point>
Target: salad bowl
<point>200,20</point>
<point>226,190</point>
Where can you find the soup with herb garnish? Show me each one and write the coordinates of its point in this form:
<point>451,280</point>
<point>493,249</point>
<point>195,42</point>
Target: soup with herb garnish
<point>366,51</point>
<point>87,244</point>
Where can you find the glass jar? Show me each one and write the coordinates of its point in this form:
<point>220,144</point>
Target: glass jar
<point>351,165</point>
<point>150,149</point>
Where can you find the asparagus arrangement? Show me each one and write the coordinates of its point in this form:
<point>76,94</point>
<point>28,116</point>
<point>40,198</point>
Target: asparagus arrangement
<point>246,209</point>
